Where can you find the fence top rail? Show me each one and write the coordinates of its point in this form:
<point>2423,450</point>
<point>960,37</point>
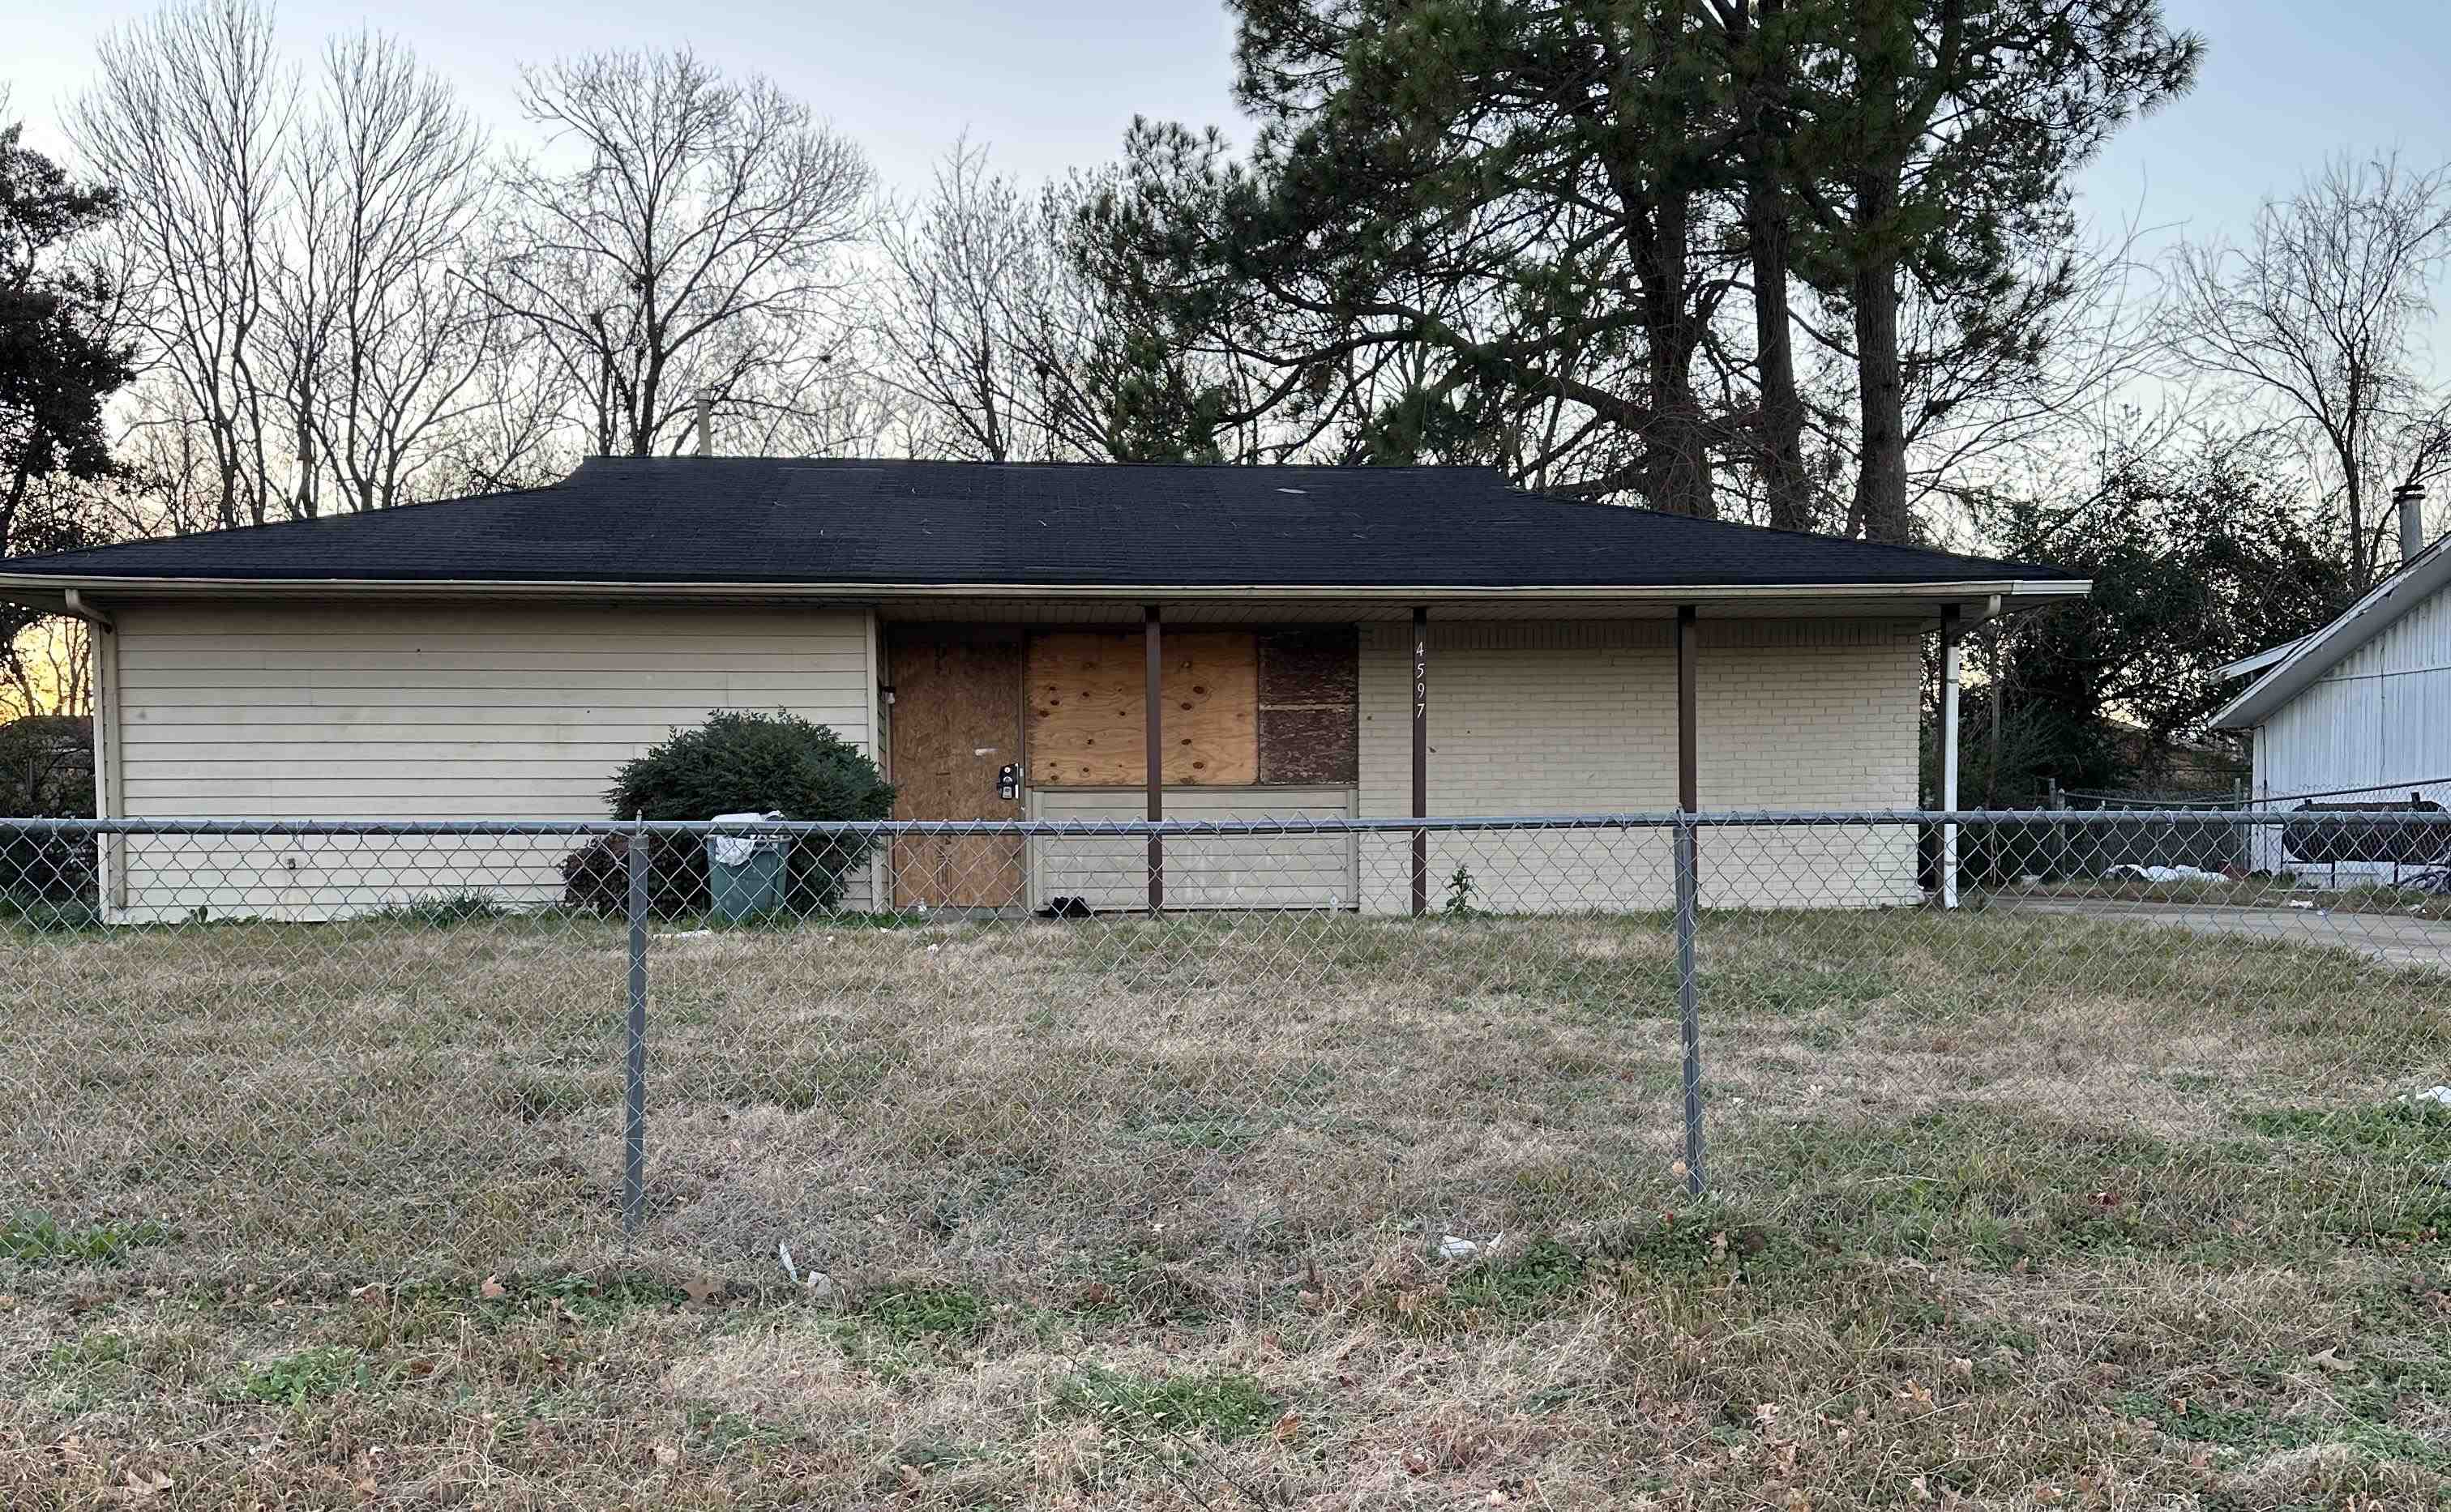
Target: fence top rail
<point>2228,802</point>
<point>1289,824</point>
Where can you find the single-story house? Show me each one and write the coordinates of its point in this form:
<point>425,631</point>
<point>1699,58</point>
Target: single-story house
<point>2359,714</point>
<point>1038,641</point>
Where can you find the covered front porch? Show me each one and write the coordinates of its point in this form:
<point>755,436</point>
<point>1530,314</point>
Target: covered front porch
<point>1253,707</point>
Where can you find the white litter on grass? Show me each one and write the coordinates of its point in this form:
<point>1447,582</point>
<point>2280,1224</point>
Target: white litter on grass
<point>2165,874</point>
<point>687,933</point>
<point>2440,1095</point>
<point>1454,1248</point>
<point>784,1250</point>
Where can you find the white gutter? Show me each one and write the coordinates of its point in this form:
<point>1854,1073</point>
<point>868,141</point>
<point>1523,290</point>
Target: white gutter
<point>73,602</point>
<point>49,588</point>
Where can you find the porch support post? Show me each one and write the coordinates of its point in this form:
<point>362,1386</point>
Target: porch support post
<point>1689,895</point>
<point>1151,694</point>
<point>1950,656</point>
<point>1421,758</point>
<point>1689,780</point>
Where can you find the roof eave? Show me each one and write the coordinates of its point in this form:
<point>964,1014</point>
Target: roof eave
<point>2256,663</point>
<point>2310,659</point>
<point>46,591</point>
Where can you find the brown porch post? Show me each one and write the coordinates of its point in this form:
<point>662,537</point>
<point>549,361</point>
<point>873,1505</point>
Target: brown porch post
<point>1155,734</point>
<point>1689,895</point>
<point>1421,758</point>
<point>1688,766</point>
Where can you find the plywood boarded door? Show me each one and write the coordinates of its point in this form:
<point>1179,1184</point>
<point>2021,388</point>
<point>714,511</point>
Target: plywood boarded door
<point>956,721</point>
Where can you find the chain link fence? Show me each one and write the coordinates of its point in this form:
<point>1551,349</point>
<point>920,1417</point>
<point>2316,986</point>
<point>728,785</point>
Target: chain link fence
<point>783,1053</point>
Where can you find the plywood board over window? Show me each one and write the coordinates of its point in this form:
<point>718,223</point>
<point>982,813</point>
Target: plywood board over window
<point>1088,720</point>
<point>1309,684</point>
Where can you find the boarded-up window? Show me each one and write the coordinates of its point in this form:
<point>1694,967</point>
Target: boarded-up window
<point>1309,686</point>
<point>1088,722</point>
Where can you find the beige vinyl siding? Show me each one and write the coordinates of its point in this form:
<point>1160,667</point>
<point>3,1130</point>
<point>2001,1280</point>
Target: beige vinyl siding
<point>1239,871</point>
<point>1579,717</point>
<point>426,711</point>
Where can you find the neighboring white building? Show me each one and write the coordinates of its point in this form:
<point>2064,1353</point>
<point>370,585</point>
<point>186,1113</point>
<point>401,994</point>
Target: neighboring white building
<point>1322,642</point>
<point>2359,710</point>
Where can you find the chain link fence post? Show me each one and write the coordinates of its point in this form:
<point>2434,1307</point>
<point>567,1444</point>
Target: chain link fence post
<point>1689,1003</point>
<point>634,1132</point>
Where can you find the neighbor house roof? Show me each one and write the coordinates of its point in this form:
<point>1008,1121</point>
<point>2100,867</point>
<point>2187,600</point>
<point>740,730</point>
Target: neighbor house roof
<point>2290,669</point>
<point>748,521</point>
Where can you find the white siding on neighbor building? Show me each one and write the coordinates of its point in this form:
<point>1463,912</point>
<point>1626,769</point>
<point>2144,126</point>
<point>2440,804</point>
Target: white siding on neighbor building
<point>428,712</point>
<point>1243,871</point>
<point>2381,718</point>
<point>1580,717</point>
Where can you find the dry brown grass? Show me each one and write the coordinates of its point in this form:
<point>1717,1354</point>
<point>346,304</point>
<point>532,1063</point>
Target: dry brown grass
<point>2009,1213</point>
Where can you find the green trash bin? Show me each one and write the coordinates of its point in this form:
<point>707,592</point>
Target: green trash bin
<point>745,874</point>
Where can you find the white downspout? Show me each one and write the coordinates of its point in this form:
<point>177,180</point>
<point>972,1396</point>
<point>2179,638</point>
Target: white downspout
<point>1949,668</point>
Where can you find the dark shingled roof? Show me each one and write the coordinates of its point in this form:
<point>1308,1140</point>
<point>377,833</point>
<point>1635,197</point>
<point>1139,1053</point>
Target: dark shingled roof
<point>779,520</point>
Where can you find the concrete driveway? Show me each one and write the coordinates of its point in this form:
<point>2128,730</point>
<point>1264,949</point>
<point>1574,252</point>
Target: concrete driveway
<point>2394,939</point>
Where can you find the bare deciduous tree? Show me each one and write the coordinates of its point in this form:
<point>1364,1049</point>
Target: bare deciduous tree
<point>48,670</point>
<point>510,429</point>
<point>1010,323</point>
<point>693,244</point>
<point>382,346</point>
<point>2317,319</point>
<point>966,272</point>
<point>189,119</point>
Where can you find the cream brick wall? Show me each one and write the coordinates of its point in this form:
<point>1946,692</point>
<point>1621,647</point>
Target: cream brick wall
<point>1215,871</point>
<point>1580,717</point>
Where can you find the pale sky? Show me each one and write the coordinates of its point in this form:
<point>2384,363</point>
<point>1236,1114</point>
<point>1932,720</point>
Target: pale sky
<point>1051,83</point>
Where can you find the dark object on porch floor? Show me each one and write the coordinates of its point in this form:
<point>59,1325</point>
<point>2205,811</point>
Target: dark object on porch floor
<point>1066,908</point>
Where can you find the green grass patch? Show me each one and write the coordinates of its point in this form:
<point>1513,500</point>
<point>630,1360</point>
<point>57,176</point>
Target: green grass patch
<point>1532,1281</point>
<point>37,1238</point>
<point>1694,1243</point>
<point>295,1380</point>
<point>2414,1131</point>
<point>2254,1432</point>
<point>1199,1131</point>
<point>49,916</point>
<point>917,1313</point>
<point>831,1080</point>
<point>87,1352</point>
<point>1999,1189</point>
<point>442,910</point>
<point>534,1098</point>
<point>1223,1407</point>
